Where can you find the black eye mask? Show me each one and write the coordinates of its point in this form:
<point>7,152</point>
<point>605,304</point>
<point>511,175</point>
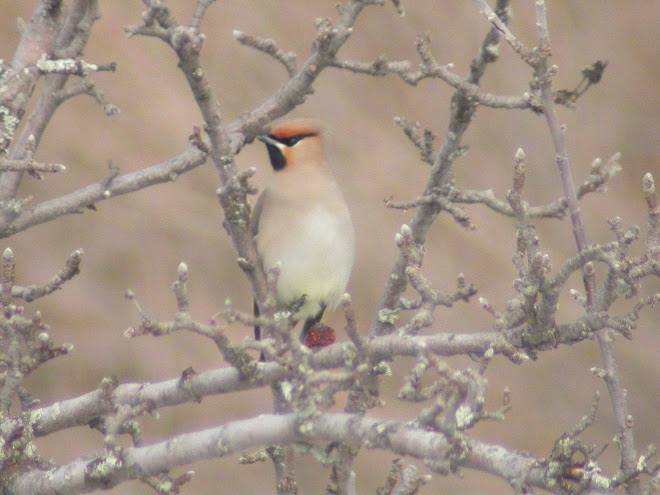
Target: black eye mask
<point>292,141</point>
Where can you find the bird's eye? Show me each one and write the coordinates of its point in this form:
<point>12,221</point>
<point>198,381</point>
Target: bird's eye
<point>292,141</point>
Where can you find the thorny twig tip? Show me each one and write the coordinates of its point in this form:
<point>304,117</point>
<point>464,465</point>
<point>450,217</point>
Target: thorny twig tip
<point>8,255</point>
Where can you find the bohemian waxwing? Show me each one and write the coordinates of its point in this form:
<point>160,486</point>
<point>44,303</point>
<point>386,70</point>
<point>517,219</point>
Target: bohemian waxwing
<point>301,220</point>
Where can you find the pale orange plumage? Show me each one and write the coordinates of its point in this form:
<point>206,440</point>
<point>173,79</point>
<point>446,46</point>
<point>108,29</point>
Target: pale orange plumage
<point>297,127</point>
<point>301,220</point>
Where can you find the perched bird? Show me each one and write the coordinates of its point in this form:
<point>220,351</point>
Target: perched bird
<point>301,220</point>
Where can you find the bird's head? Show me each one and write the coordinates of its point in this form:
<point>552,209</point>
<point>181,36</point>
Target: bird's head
<point>295,143</point>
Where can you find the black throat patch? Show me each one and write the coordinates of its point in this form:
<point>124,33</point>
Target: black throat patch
<point>277,159</point>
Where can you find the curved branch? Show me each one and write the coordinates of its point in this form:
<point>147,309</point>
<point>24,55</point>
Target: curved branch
<point>71,269</point>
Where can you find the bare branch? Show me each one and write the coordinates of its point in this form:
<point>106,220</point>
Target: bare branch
<point>200,10</point>
<point>555,209</point>
<point>600,175</point>
<point>69,38</point>
<point>437,199</point>
<point>306,382</point>
<point>234,355</point>
<point>653,206</point>
<point>233,437</point>
<point>70,270</point>
<point>544,74</point>
<point>24,346</point>
<point>152,30</point>
<point>431,69</point>
<point>423,141</point>
<point>71,67</point>
<point>413,255</point>
<point>462,109</point>
<point>87,87</point>
<point>30,166</point>
<point>269,47</point>
<point>88,196</point>
<point>525,53</point>
<point>18,80</point>
<point>598,178</point>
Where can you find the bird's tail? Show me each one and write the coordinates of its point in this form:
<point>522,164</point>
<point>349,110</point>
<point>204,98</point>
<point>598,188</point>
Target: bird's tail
<point>310,322</point>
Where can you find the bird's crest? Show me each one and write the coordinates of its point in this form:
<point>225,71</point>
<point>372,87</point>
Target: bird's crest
<point>297,127</point>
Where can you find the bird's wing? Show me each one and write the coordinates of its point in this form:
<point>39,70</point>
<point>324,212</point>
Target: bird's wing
<point>254,229</point>
<point>254,221</point>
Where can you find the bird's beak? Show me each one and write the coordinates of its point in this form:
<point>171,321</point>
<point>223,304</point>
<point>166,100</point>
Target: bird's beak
<point>265,138</point>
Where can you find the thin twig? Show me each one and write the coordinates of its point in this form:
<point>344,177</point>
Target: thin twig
<point>72,67</point>
<point>525,53</point>
<point>71,269</point>
<point>30,166</point>
<point>270,47</point>
<point>431,69</point>
<point>200,10</point>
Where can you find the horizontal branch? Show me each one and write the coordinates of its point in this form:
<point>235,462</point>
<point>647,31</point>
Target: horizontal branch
<point>444,344</point>
<point>433,70</point>
<point>600,174</point>
<point>554,209</point>
<point>30,166</point>
<point>71,67</point>
<point>112,468</point>
<point>512,342</point>
<point>87,196</point>
<point>81,410</point>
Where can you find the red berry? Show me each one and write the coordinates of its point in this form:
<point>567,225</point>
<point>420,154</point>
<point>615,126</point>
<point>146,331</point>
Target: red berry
<point>319,336</point>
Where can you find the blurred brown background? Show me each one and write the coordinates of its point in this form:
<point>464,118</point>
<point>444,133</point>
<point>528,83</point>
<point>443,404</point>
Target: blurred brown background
<point>137,241</point>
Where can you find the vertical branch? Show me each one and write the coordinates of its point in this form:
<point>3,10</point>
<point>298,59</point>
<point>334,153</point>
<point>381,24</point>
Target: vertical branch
<point>544,74</point>
<point>17,83</point>
<point>10,336</point>
<point>462,110</point>
<point>72,35</point>
<point>187,43</point>
<point>653,232</point>
<point>613,380</point>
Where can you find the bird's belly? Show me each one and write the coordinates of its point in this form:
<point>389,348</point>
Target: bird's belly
<point>318,264</point>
